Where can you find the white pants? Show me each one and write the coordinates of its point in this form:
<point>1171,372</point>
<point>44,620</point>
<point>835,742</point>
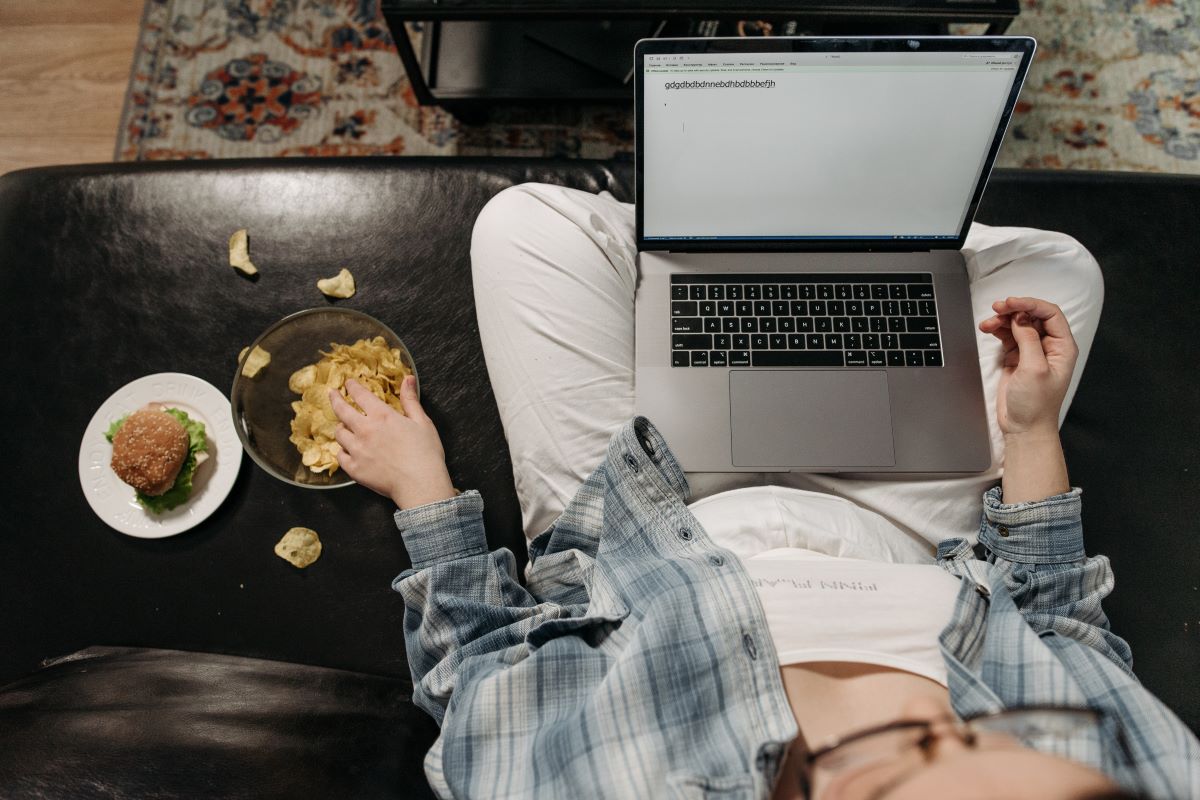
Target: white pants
<point>554,272</point>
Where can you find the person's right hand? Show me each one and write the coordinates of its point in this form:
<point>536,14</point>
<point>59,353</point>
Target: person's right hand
<point>1039,358</point>
<point>398,455</point>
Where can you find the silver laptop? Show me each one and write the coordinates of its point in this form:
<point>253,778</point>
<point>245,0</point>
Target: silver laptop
<point>802,300</point>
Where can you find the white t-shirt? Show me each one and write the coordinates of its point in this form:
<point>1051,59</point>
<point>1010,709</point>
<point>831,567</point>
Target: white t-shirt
<point>821,608</point>
<point>837,582</point>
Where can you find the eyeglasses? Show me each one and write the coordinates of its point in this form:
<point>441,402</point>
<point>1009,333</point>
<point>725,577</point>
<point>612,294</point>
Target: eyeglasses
<point>906,743</point>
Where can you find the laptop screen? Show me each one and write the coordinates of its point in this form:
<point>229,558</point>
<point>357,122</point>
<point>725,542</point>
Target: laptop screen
<point>820,145</point>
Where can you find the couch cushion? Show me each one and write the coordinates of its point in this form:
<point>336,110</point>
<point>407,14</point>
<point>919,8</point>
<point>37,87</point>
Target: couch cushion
<point>134,723</point>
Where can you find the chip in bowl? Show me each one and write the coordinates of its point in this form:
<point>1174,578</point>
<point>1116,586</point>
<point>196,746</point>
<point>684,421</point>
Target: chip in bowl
<point>255,362</point>
<point>379,368</point>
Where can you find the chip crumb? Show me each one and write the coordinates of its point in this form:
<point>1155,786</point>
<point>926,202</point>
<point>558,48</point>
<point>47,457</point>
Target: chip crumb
<point>300,547</point>
<point>239,253</point>
<point>340,285</point>
<point>254,363</point>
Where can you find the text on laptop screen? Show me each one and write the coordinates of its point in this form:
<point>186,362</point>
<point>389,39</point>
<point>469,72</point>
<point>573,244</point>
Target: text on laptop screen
<point>874,145</point>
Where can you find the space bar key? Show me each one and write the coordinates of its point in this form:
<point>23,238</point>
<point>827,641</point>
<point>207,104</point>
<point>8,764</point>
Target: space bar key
<point>797,358</point>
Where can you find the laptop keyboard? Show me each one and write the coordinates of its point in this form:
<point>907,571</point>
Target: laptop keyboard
<point>804,320</point>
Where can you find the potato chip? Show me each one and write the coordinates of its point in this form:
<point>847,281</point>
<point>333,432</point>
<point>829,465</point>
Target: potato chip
<point>255,362</point>
<point>299,546</point>
<point>239,253</point>
<point>302,379</point>
<point>372,363</point>
<point>340,285</point>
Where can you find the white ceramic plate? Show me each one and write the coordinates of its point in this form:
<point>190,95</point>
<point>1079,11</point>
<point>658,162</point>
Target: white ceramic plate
<point>113,500</point>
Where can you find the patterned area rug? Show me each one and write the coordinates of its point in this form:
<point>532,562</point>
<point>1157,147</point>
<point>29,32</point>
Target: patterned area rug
<point>1116,85</point>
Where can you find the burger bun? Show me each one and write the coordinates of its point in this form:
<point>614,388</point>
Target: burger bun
<point>149,450</point>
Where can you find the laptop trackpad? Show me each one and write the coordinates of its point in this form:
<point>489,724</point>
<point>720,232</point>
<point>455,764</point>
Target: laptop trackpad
<point>810,418</point>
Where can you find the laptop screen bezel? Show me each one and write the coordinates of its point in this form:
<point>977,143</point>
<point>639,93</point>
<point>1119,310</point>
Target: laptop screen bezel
<point>867,44</point>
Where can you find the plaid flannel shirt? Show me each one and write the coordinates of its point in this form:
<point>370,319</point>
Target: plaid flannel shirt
<point>636,662</point>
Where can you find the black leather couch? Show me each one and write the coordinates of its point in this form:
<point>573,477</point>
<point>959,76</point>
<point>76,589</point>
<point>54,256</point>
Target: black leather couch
<point>188,677</point>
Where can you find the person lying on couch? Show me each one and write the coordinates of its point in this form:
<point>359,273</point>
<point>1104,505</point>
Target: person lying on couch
<point>782,635</point>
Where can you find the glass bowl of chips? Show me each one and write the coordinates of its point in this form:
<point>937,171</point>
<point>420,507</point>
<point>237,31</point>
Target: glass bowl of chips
<point>280,395</point>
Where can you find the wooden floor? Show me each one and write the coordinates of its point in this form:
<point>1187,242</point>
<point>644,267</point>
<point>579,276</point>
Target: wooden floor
<point>64,66</point>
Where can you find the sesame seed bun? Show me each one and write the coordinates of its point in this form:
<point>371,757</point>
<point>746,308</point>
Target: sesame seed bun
<point>149,450</point>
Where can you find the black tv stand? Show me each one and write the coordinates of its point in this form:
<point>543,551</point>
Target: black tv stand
<point>478,53</point>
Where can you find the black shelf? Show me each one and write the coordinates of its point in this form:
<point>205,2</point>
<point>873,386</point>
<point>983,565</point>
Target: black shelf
<point>479,53</point>
<point>706,9</point>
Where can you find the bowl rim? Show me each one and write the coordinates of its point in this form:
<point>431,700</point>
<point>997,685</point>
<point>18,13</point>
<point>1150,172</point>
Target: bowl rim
<point>237,376</point>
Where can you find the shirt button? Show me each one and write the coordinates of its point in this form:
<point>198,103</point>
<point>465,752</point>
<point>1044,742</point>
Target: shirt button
<point>685,534</point>
<point>716,561</point>
<point>749,646</point>
<point>768,758</point>
<point>1003,529</point>
<point>632,462</point>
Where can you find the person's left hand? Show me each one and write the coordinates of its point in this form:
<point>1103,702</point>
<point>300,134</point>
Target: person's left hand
<point>399,456</point>
<point>1039,359</point>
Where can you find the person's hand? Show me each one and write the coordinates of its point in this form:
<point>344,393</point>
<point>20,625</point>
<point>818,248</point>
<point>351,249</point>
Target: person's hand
<point>399,456</point>
<point>1039,357</point>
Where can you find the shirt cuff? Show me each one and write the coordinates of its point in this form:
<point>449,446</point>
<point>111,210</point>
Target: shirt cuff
<point>1043,532</point>
<point>443,531</point>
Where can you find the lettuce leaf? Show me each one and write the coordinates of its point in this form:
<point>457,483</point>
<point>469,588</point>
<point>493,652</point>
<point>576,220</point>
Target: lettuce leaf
<point>195,430</point>
<point>116,426</point>
<point>179,491</point>
<point>176,495</point>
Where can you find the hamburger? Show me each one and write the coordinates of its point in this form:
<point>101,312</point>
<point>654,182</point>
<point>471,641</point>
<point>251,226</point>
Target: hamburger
<point>156,451</point>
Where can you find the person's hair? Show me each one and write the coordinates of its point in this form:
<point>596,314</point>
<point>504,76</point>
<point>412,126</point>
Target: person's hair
<point>1116,794</point>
